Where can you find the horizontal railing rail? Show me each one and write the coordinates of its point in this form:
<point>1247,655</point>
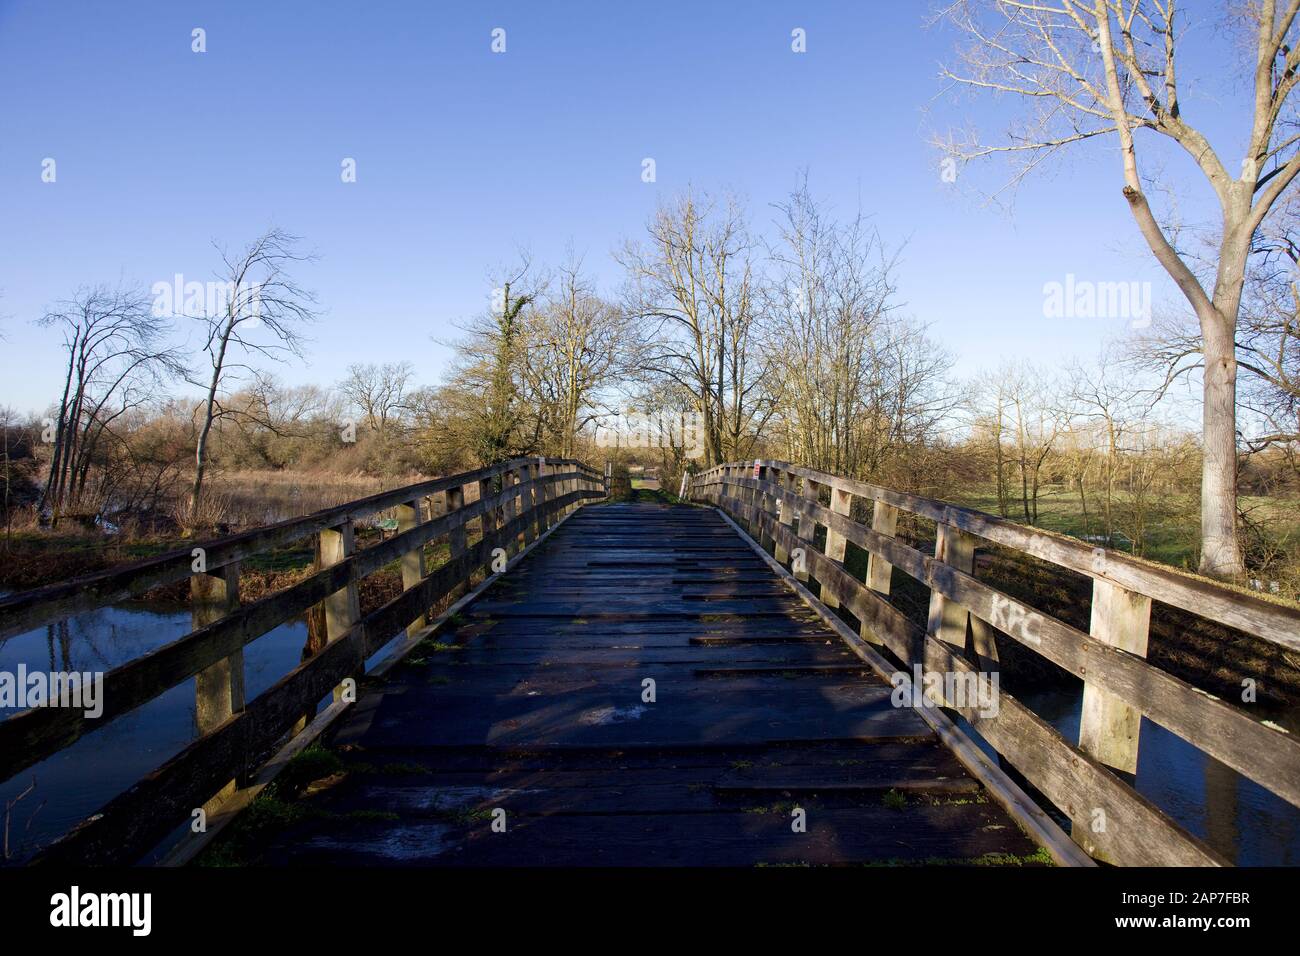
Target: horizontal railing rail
<point>781,505</point>
<point>30,609</point>
<point>517,502</point>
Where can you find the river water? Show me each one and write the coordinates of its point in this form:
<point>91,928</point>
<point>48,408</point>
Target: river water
<point>1233,814</point>
<point>75,782</point>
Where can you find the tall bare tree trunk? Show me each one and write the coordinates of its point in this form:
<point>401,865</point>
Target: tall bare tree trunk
<point>205,430</point>
<point>1220,549</point>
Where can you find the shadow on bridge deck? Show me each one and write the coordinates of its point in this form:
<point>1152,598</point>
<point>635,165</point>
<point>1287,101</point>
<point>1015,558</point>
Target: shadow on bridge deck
<point>536,704</point>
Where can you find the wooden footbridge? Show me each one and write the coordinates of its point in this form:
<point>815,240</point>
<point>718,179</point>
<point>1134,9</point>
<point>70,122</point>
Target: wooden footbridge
<point>587,682</point>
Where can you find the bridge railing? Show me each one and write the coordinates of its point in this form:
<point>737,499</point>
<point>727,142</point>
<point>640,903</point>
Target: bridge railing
<point>782,505</point>
<point>517,501</point>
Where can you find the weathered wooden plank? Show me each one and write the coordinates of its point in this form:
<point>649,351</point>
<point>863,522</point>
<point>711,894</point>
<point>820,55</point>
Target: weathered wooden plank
<point>636,607</point>
<point>32,735</point>
<point>343,607</point>
<point>689,711</point>
<point>807,527</point>
<point>567,689</point>
<point>1108,727</point>
<point>129,825</point>
<point>218,688</point>
<point>1136,831</point>
<point>456,537</point>
<point>841,504</point>
<point>1212,600</point>
<point>871,833</point>
<point>1266,755</point>
<point>884,521</point>
<point>490,517</point>
<point>528,501</point>
<point>948,618</point>
<point>409,516</point>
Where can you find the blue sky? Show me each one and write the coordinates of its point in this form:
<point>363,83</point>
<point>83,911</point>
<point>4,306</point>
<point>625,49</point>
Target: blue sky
<point>464,155</point>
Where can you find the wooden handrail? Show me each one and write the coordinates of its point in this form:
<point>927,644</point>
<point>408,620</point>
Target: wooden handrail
<point>782,509</point>
<point>534,494</point>
<point>30,609</point>
<point>1233,607</point>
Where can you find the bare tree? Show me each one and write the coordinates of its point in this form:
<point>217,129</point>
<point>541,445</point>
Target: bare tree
<point>693,288</point>
<point>117,353</point>
<point>853,382</point>
<point>378,391</point>
<point>1096,68</point>
<point>1106,408</point>
<point>577,345</point>
<point>262,310</point>
<point>988,407</point>
<point>1021,418</point>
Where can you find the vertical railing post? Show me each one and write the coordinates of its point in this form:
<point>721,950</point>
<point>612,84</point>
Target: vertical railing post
<point>343,607</point>
<point>409,516</point>
<point>836,543</point>
<point>546,494</point>
<point>947,620</point>
<point>218,688</point>
<point>746,495</point>
<point>562,491</point>
<point>785,514</point>
<point>884,521</point>
<point>1108,727</point>
<point>510,509</point>
<point>609,475</point>
<point>807,528</point>
<point>529,501</point>
<point>765,505</point>
<point>456,537</point>
<point>488,519</point>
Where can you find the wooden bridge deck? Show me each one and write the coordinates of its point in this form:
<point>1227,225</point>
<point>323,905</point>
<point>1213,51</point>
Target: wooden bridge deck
<point>534,704</point>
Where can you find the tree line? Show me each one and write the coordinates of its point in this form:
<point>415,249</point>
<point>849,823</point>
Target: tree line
<point>787,341</point>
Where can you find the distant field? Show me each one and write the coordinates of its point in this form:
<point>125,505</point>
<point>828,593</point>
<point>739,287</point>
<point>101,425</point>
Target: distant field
<point>1172,524</point>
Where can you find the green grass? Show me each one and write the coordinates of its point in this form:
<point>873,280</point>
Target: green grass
<point>1172,534</point>
<point>278,807</point>
<point>468,816</point>
<point>894,800</point>
<point>312,764</point>
<point>281,559</point>
<point>1039,857</point>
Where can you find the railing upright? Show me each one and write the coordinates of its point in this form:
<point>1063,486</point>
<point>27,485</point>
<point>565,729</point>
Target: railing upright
<point>781,504</point>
